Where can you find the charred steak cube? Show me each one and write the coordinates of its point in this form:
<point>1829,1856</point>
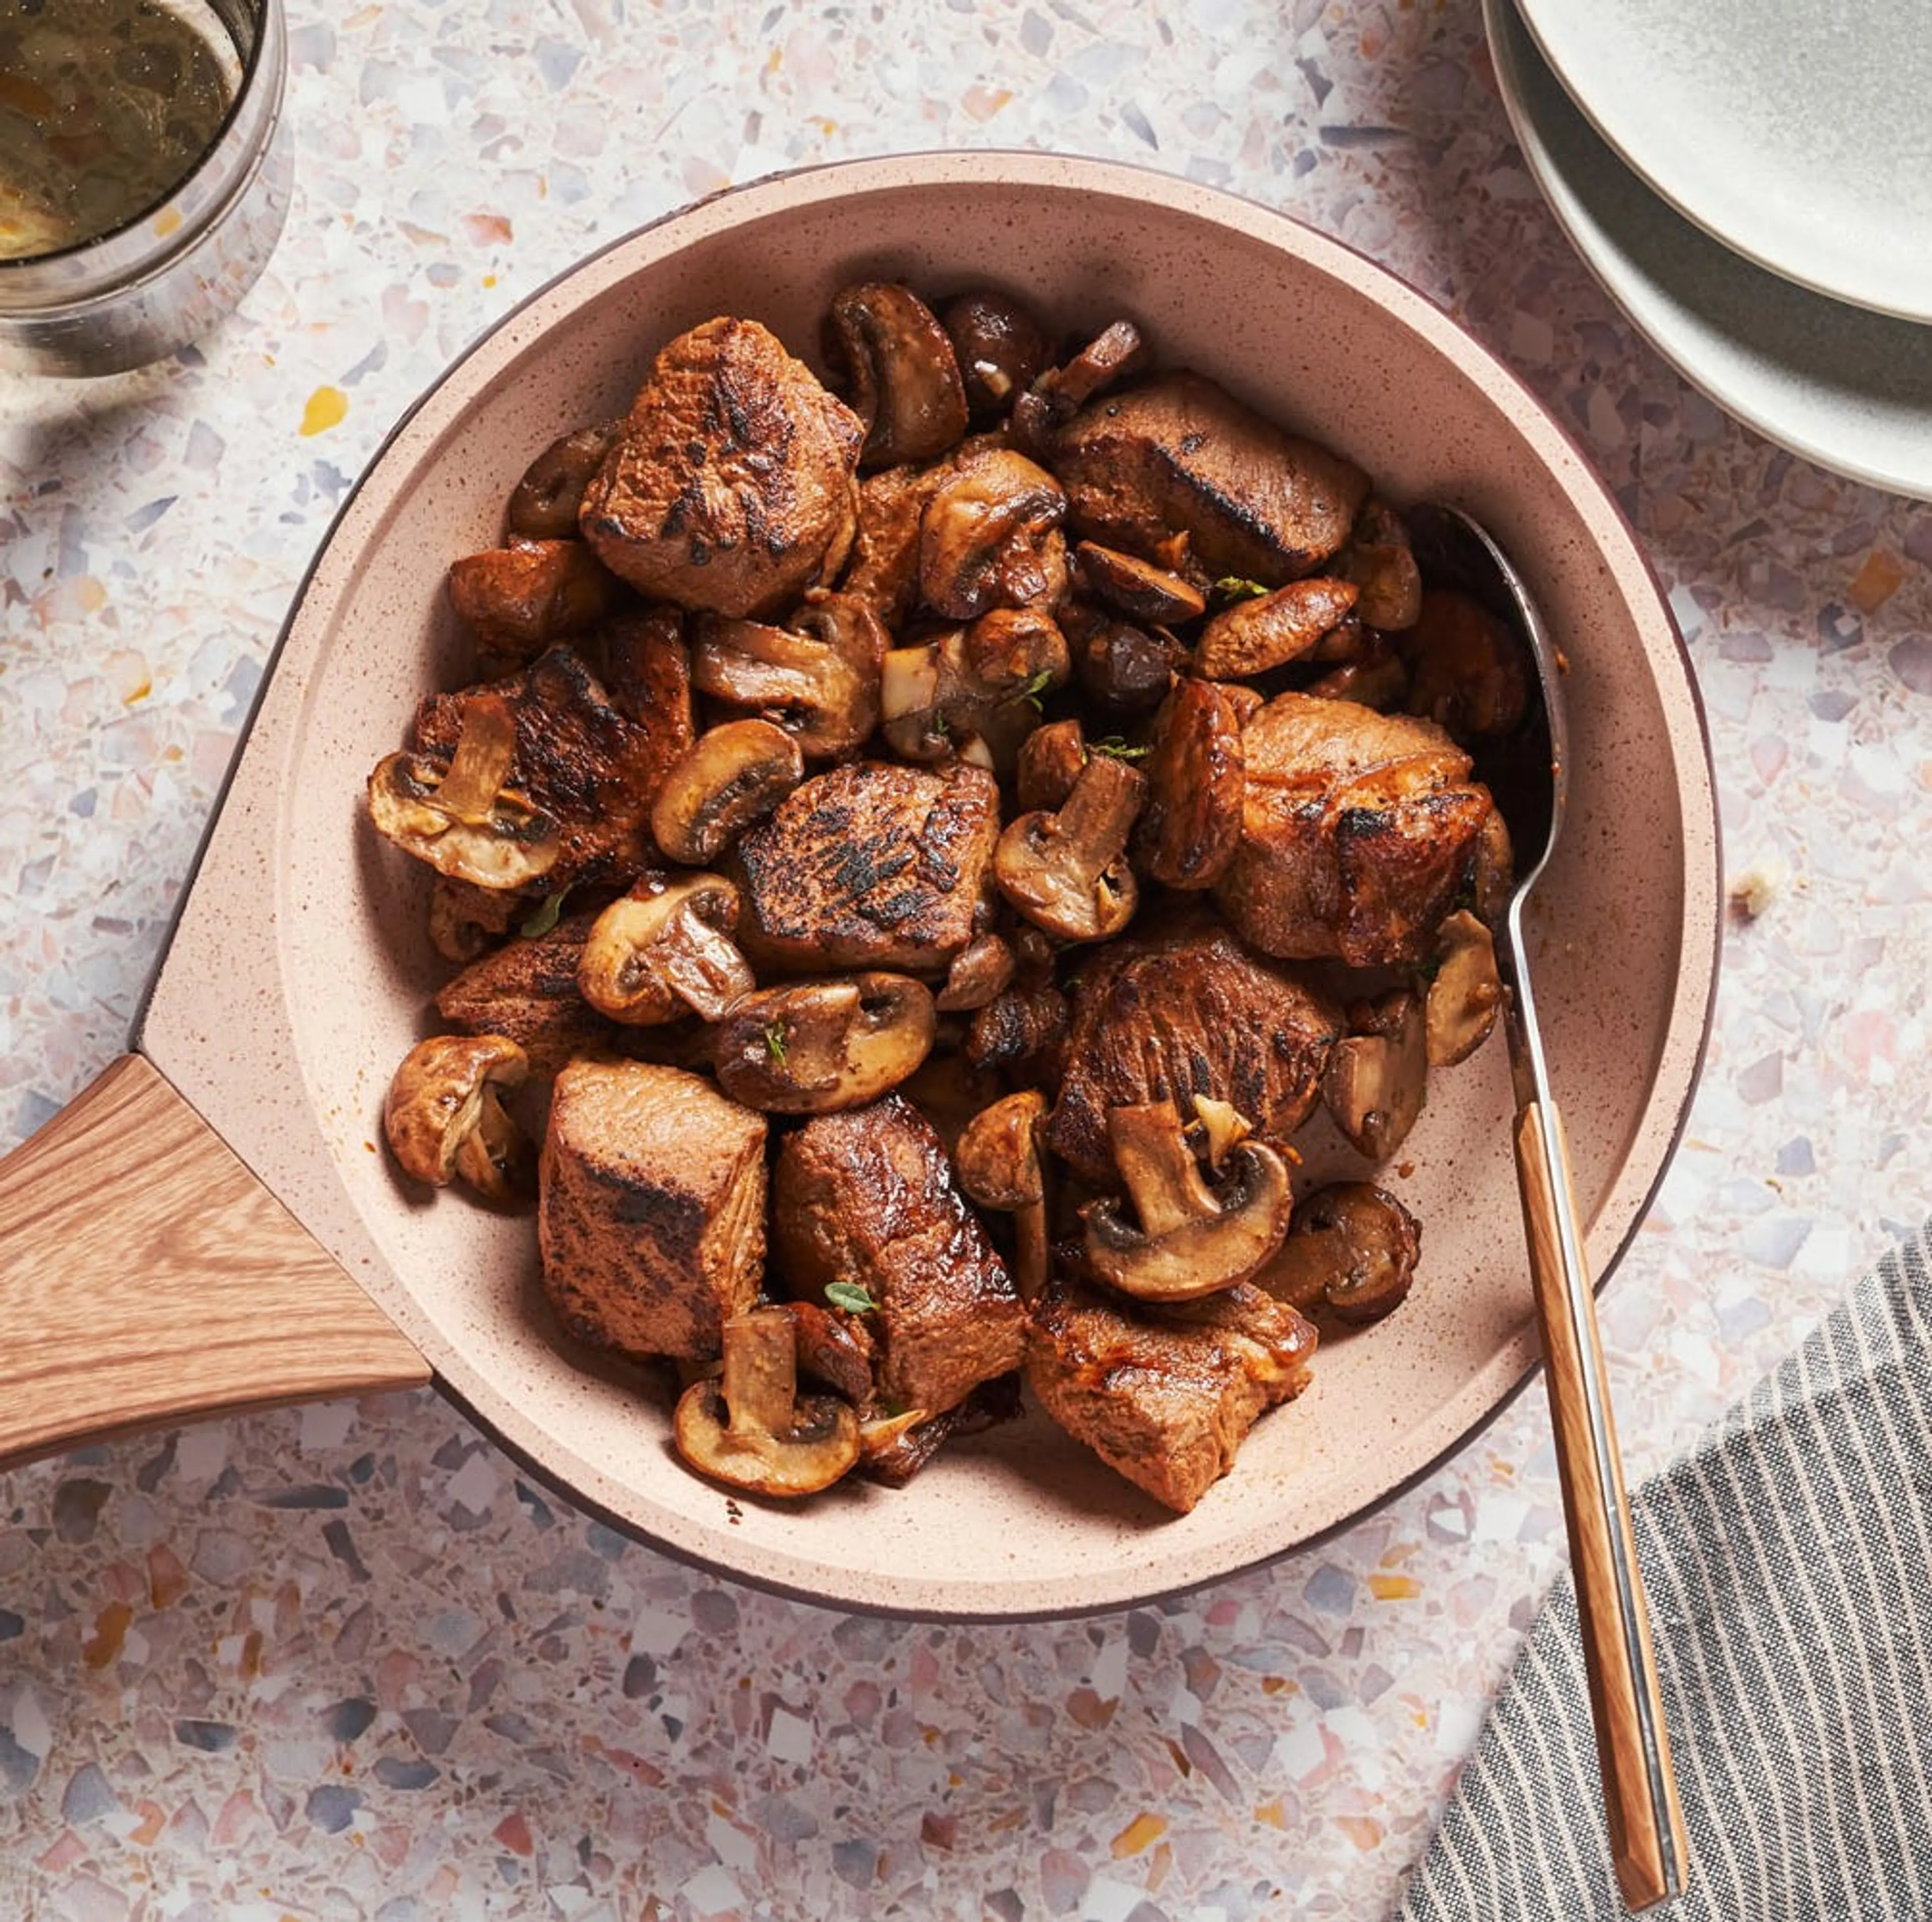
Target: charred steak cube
<point>1165,1399</point>
<point>1359,829</point>
<point>1178,454</point>
<point>734,485</point>
<point>527,991</point>
<point>872,865</point>
<point>651,1208</point>
<point>869,1196</point>
<point>1191,1012</point>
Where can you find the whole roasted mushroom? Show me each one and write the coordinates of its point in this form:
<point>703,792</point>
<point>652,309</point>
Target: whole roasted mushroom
<point>1192,1240</point>
<point>733,775</point>
<point>998,1161</point>
<point>1269,630</point>
<point>463,816</point>
<point>817,1047</point>
<point>903,373</point>
<point>664,951</point>
<point>1352,1245</point>
<point>1137,589</point>
<point>545,503</point>
<point>979,971</point>
<point>751,1428</point>
<point>935,695</point>
<point>518,601</point>
<point>443,1115</point>
<point>1066,872</point>
<point>990,537</point>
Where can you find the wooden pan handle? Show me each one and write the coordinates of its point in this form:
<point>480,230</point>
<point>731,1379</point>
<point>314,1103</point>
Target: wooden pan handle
<point>146,1276</point>
<point>1644,1818</point>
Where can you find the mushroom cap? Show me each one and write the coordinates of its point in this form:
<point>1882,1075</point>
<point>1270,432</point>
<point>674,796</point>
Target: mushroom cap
<point>819,1445</point>
<point>1065,871</point>
<point>812,688</point>
<point>997,1156</point>
<point>663,950</point>
<point>990,537</point>
<point>904,376</point>
<point>1466,995</point>
<point>1376,1079</point>
<point>442,1116</point>
<point>1197,782</point>
<point>1351,1245</point>
<point>821,1046</point>
<point>732,774</point>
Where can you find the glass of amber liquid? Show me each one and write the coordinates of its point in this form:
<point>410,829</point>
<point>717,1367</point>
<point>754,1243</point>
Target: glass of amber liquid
<point>144,174</point>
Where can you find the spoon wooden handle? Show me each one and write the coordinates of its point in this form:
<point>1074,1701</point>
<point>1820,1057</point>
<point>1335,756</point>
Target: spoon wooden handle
<point>1645,1821</point>
<point>146,1276</point>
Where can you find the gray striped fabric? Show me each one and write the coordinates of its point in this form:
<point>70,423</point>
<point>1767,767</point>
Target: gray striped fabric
<point>1789,1561</point>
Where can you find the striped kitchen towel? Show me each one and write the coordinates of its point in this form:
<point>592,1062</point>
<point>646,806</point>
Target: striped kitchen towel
<point>1788,1562</point>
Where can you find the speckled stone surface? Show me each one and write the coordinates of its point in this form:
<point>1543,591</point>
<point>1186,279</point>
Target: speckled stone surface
<point>346,1661</point>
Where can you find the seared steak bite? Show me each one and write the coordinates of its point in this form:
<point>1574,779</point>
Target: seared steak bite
<point>1178,454</point>
<point>1185,1013</point>
<point>591,769</point>
<point>733,486</point>
<point>873,864</point>
<point>527,991</point>
<point>1165,1397</point>
<point>651,1210</point>
<point>1359,829</point>
<point>869,1197</point>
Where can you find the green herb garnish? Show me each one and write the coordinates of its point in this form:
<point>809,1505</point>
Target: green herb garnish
<point>1117,746</point>
<point>1035,688</point>
<point>1233,587</point>
<point>775,1042</point>
<point>545,919</point>
<point>850,1297</point>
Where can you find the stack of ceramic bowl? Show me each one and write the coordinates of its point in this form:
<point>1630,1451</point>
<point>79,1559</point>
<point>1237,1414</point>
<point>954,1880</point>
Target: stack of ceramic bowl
<point>1752,183</point>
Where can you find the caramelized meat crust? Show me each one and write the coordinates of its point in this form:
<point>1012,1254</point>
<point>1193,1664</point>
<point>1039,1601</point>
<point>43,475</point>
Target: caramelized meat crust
<point>1165,1398</point>
<point>734,487</point>
<point>651,1208</point>
<point>1191,1012</point>
<point>590,768</point>
<point>1178,454</point>
<point>527,991</point>
<point>869,1196</point>
<point>874,864</point>
<point>1359,829</point>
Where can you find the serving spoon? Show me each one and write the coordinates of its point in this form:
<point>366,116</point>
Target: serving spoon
<point>1529,775</point>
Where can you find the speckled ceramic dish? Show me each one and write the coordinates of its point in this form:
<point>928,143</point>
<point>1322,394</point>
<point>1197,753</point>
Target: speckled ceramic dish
<point>281,1024</point>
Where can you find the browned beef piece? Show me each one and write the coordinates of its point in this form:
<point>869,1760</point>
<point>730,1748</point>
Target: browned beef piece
<point>1178,454</point>
<point>1359,830</point>
<point>651,1208</point>
<point>518,600</point>
<point>1189,1012</point>
<point>647,669</point>
<point>869,1196</point>
<point>884,568</point>
<point>873,864</point>
<point>527,991</point>
<point>592,769</point>
<point>734,487</point>
<point>1165,1399</point>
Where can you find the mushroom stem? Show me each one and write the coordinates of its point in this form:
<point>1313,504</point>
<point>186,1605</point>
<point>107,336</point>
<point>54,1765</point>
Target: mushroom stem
<point>486,749</point>
<point>1159,1168</point>
<point>761,1379</point>
<point>703,965</point>
<point>998,1162</point>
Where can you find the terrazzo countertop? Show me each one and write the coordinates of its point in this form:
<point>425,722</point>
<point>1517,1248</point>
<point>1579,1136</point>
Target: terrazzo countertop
<point>347,1660</point>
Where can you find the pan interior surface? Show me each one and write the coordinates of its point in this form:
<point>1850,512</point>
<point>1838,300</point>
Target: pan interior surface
<point>337,986</point>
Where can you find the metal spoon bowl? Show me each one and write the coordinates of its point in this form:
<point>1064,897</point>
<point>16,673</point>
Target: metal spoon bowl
<point>1527,771</point>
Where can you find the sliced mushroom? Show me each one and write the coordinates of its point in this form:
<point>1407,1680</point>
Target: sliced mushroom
<point>979,971</point>
<point>443,1115</point>
<point>1195,783</point>
<point>990,537</point>
<point>734,774</point>
<point>1377,1078</point>
<point>1468,671</point>
<point>545,503</point>
<point>903,375</point>
<point>1379,560</point>
<point>664,951</point>
<point>999,347</point>
<point>1050,761</point>
<point>1137,589</point>
<point>819,1047</point>
<point>751,1428</point>
<point>997,1160</point>
<point>516,601</point>
<point>1352,1245</point>
<point>462,816</point>
<point>1466,994</point>
<point>1058,394</point>
<point>1066,871</point>
<point>1267,630</point>
<point>805,684</point>
<point>1192,1240</point>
